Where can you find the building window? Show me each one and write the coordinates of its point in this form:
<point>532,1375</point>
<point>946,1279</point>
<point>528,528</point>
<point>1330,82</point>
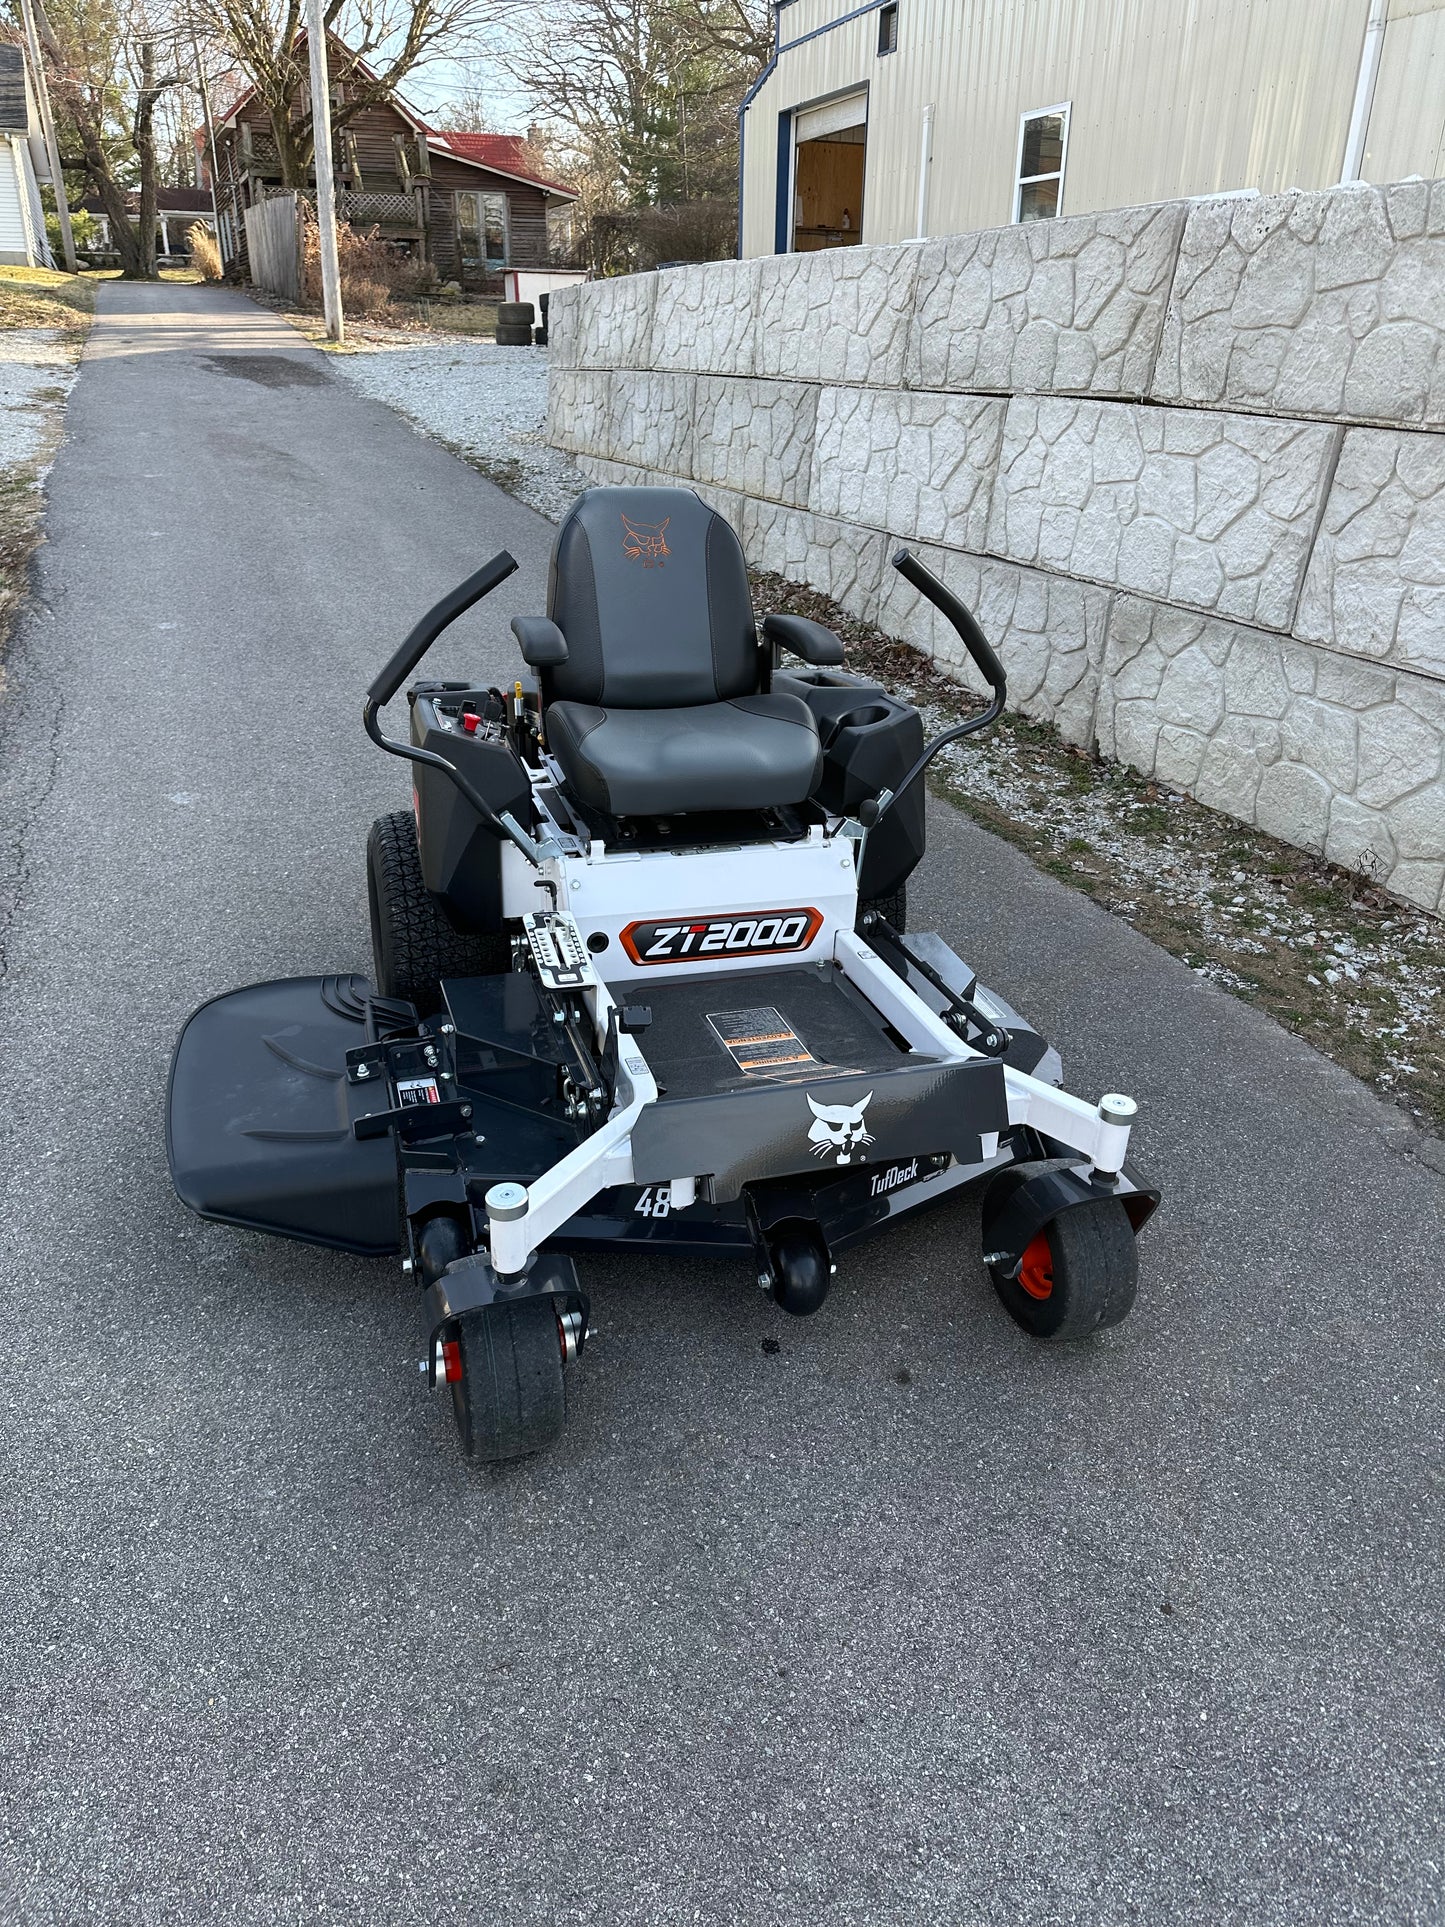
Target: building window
<point>482,229</point>
<point>1043,148</point>
<point>888,30</point>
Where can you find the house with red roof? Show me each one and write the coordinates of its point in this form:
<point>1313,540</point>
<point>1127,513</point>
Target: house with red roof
<point>473,205</point>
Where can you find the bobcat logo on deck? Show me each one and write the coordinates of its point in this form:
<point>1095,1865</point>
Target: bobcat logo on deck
<point>645,542</point>
<point>839,1128</point>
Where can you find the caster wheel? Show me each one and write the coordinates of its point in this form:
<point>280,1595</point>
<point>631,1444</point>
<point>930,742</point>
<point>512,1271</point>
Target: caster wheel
<point>509,1396</point>
<point>1079,1275</point>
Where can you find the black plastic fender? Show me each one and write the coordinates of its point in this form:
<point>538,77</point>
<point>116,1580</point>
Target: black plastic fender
<point>470,1284</point>
<point>1011,1222</point>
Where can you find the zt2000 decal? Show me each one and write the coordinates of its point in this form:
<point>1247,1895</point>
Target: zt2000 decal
<point>757,933</point>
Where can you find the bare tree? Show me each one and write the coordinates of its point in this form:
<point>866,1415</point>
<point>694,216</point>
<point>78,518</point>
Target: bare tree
<point>644,90</point>
<point>387,39</point>
<point>468,112</point>
<point>739,29</point>
<point>109,64</point>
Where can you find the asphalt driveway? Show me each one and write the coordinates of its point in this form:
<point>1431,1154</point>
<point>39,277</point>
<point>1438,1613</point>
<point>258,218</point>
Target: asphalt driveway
<point>903,1620</point>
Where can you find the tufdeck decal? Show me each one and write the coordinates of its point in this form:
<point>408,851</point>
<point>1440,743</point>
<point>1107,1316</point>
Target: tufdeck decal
<point>756,933</point>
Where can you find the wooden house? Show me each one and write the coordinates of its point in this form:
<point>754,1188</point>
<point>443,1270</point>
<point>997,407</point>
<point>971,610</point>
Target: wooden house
<point>470,204</point>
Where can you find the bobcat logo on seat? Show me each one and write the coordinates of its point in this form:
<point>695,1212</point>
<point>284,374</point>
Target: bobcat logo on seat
<point>645,542</point>
<point>838,1128</point>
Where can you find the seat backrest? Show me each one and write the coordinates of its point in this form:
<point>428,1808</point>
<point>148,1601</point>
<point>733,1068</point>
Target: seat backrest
<point>650,588</point>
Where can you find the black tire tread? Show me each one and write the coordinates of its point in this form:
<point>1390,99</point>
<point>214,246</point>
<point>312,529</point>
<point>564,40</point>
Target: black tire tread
<point>511,1399</point>
<point>413,944</point>
<point>511,335</point>
<point>516,314</point>
<point>1096,1267</point>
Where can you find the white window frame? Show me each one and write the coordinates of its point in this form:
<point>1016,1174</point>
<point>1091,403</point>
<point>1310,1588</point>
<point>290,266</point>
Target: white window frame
<point>1021,181</point>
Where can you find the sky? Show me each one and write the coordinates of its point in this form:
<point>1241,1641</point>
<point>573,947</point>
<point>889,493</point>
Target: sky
<point>431,86</point>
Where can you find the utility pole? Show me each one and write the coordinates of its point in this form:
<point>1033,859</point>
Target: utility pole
<point>210,135</point>
<point>325,185</point>
<point>47,127</point>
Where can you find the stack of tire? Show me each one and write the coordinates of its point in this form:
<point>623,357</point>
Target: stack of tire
<point>514,324</point>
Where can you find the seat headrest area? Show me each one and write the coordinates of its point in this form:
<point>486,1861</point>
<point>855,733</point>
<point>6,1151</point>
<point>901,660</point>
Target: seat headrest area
<point>650,589</point>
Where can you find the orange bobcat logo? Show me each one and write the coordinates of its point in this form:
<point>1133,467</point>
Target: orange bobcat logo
<point>645,542</point>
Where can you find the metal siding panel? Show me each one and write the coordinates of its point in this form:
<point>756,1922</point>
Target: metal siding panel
<point>1407,119</point>
<point>1169,98</point>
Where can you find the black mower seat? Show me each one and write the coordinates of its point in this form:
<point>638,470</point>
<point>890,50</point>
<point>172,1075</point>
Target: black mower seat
<point>653,691</point>
<point>751,752</point>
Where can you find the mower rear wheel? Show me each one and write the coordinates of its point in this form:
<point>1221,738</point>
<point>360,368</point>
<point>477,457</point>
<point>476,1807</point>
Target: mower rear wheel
<point>413,945</point>
<point>1079,1275</point>
<point>510,1397</point>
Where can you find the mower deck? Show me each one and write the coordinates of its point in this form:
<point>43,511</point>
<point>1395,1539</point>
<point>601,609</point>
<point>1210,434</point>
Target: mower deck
<point>647,984</point>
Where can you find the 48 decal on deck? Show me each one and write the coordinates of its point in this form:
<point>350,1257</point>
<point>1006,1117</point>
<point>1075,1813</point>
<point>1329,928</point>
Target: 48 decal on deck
<point>756,933</point>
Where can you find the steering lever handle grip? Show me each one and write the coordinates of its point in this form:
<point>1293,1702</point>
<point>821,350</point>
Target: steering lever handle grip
<point>959,615</point>
<point>440,616</point>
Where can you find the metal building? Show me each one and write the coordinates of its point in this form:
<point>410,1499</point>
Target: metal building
<point>885,120</point>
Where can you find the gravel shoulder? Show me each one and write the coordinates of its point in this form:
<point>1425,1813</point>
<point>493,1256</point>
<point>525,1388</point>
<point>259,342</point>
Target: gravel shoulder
<point>486,404</point>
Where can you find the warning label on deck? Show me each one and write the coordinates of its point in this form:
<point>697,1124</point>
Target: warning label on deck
<point>763,1043</point>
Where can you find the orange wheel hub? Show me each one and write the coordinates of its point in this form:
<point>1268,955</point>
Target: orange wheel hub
<point>1036,1273</point>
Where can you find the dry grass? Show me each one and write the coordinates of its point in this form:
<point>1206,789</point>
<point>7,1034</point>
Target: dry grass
<point>1327,953</point>
<point>43,298</point>
<point>373,273</point>
<point>447,317</point>
<point>205,254</point>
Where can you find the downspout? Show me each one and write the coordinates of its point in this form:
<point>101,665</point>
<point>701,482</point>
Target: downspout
<point>925,166</point>
<point>1364,92</point>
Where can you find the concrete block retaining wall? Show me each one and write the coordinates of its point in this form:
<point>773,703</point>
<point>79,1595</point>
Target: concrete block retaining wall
<point>1186,462</point>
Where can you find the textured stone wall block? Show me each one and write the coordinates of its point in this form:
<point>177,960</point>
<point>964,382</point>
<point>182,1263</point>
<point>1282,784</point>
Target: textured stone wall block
<point>1326,303</point>
<point>613,326</point>
<point>579,411</point>
<point>1050,307</point>
<point>1324,753</point>
<point>564,312</point>
<point>704,318</point>
<point>619,474</point>
<point>1049,633</point>
<point>839,315</point>
<point>1213,511</point>
<point>918,465</point>
<point>755,436</point>
<point>1376,580</point>
<point>841,561</point>
<point>651,420</point>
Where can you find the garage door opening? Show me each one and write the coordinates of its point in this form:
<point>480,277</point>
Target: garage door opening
<point>829,163</point>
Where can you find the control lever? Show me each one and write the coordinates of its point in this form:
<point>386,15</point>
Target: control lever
<point>977,644</point>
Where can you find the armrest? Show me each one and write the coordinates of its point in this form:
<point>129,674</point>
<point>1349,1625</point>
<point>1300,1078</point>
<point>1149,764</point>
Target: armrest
<point>810,640</point>
<point>543,644</point>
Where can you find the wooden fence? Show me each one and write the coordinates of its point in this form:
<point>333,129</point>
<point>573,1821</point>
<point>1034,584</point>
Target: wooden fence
<point>273,245</point>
